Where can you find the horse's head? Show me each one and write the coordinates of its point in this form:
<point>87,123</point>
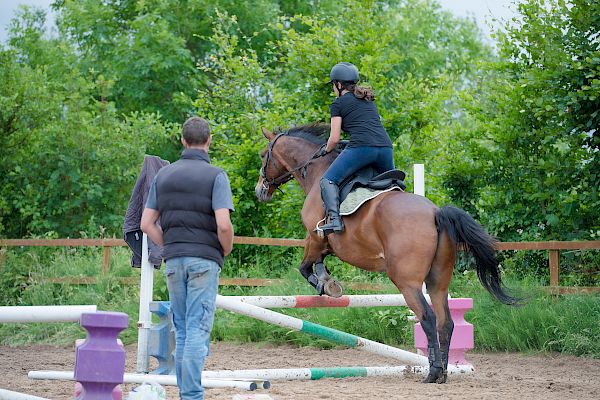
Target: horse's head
<point>271,170</point>
<point>288,155</point>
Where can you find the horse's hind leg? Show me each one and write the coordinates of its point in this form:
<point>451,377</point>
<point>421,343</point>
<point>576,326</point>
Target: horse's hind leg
<point>415,299</point>
<point>438,282</point>
<point>444,327</point>
<point>427,318</point>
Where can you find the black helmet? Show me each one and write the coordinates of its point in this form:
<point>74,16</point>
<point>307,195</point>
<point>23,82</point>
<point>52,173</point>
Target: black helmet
<point>344,72</point>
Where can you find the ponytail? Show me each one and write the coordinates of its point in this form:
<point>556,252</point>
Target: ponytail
<point>361,92</point>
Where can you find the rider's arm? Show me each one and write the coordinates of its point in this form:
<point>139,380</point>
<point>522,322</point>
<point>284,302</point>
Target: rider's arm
<point>336,132</point>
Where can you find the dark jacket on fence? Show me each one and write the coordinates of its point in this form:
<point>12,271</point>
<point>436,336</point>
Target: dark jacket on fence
<point>132,234</point>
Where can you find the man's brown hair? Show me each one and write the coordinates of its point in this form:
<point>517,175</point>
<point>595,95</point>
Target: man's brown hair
<point>196,131</point>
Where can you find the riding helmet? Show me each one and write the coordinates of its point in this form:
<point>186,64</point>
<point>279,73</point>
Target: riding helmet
<point>344,72</point>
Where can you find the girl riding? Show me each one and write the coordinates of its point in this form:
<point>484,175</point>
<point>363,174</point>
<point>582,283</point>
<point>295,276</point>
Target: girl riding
<point>355,112</point>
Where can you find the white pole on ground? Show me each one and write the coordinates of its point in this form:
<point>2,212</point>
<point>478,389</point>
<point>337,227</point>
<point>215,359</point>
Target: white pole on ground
<point>19,314</point>
<point>145,316</point>
<point>9,395</point>
<point>275,374</point>
<point>166,380</point>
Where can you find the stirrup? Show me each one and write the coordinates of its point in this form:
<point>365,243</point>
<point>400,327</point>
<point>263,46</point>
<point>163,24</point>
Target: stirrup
<point>327,229</point>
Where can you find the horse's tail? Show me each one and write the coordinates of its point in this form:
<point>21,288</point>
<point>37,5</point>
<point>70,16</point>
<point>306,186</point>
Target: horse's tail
<point>463,230</point>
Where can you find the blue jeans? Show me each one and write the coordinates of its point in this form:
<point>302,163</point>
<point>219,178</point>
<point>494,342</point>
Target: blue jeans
<point>192,284</point>
<point>354,158</point>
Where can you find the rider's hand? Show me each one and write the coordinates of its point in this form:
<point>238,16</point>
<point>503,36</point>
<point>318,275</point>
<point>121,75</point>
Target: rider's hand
<point>323,151</point>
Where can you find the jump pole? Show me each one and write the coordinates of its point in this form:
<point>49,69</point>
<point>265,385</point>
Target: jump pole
<point>22,314</point>
<point>10,395</point>
<point>336,372</point>
<point>167,380</point>
<point>332,335</point>
<point>377,300</point>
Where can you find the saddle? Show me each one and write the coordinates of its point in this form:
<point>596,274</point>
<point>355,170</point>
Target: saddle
<point>370,179</point>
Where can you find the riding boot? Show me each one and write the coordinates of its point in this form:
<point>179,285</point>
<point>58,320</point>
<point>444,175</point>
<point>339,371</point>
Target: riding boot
<point>330,193</point>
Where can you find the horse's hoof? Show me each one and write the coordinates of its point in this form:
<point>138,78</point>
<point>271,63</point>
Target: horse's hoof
<point>333,288</point>
<point>436,375</point>
<point>443,378</point>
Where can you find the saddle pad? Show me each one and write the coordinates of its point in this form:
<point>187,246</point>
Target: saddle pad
<point>359,196</point>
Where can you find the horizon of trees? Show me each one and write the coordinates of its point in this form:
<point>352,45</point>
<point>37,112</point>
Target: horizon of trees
<point>511,137</point>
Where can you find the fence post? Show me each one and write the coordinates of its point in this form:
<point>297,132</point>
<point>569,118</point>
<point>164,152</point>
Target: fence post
<point>554,256</point>
<point>105,260</point>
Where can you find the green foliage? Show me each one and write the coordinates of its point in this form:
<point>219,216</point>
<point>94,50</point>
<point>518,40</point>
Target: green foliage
<point>69,160</point>
<point>566,325</point>
<point>150,48</point>
<point>529,161</point>
<point>414,81</point>
<point>25,280</point>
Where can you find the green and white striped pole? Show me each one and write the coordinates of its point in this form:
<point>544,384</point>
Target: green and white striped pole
<point>323,332</point>
<point>320,373</point>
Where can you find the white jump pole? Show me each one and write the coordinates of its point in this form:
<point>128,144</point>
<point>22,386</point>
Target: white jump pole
<point>10,395</point>
<point>145,316</point>
<point>19,314</point>
<point>336,372</point>
<point>377,300</point>
<point>166,380</point>
<point>314,329</point>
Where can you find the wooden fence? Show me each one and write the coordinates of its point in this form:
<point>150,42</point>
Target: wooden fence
<point>553,248</point>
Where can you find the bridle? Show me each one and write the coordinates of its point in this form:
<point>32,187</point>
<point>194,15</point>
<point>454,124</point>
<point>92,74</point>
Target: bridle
<point>289,175</point>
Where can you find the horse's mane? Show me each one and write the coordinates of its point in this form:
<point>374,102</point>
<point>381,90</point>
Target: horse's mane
<point>316,133</point>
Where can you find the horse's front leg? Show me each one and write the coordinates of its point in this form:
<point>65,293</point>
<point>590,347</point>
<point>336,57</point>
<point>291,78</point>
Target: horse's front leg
<point>316,248</point>
<point>314,270</point>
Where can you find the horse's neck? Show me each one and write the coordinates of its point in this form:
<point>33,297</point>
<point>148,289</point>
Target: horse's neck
<point>313,174</point>
<point>315,168</point>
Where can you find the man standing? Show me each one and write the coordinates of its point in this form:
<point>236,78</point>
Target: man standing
<point>193,200</point>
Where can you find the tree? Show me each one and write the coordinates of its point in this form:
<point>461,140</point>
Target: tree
<point>69,160</point>
<point>415,83</point>
<point>533,127</point>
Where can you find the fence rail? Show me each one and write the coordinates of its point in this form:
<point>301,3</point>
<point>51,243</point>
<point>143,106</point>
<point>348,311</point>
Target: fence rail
<point>553,248</point>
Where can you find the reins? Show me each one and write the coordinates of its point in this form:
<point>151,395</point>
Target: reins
<point>289,175</point>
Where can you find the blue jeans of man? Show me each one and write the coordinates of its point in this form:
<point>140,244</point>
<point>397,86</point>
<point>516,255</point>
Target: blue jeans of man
<point>192,284</point>
<point>354,158</point>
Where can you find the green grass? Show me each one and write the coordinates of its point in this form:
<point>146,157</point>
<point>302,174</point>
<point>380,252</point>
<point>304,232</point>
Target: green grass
<point>567,324</point>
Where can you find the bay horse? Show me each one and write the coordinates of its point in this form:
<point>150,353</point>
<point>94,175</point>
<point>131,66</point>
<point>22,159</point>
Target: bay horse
<point>399,233</point>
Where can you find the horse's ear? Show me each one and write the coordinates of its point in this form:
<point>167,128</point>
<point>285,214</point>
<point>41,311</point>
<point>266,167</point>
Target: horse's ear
<point>268,134</point>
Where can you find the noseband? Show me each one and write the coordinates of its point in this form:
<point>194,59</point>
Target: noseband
<point>289,175</point>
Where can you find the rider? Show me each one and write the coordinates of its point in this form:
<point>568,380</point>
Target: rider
<point>353,111</point>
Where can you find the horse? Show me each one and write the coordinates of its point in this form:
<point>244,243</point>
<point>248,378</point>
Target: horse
<point>399,233</point>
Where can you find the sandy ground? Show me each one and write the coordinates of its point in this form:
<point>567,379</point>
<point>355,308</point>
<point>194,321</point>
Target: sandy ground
<point>497,376</point>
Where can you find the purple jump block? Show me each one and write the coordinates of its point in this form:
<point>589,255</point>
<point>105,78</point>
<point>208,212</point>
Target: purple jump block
<point>462,337</point>
<point>117,393</point>
<point>100,361</point>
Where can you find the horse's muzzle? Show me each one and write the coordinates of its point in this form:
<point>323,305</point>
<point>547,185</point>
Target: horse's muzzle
<point>262,192</point>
